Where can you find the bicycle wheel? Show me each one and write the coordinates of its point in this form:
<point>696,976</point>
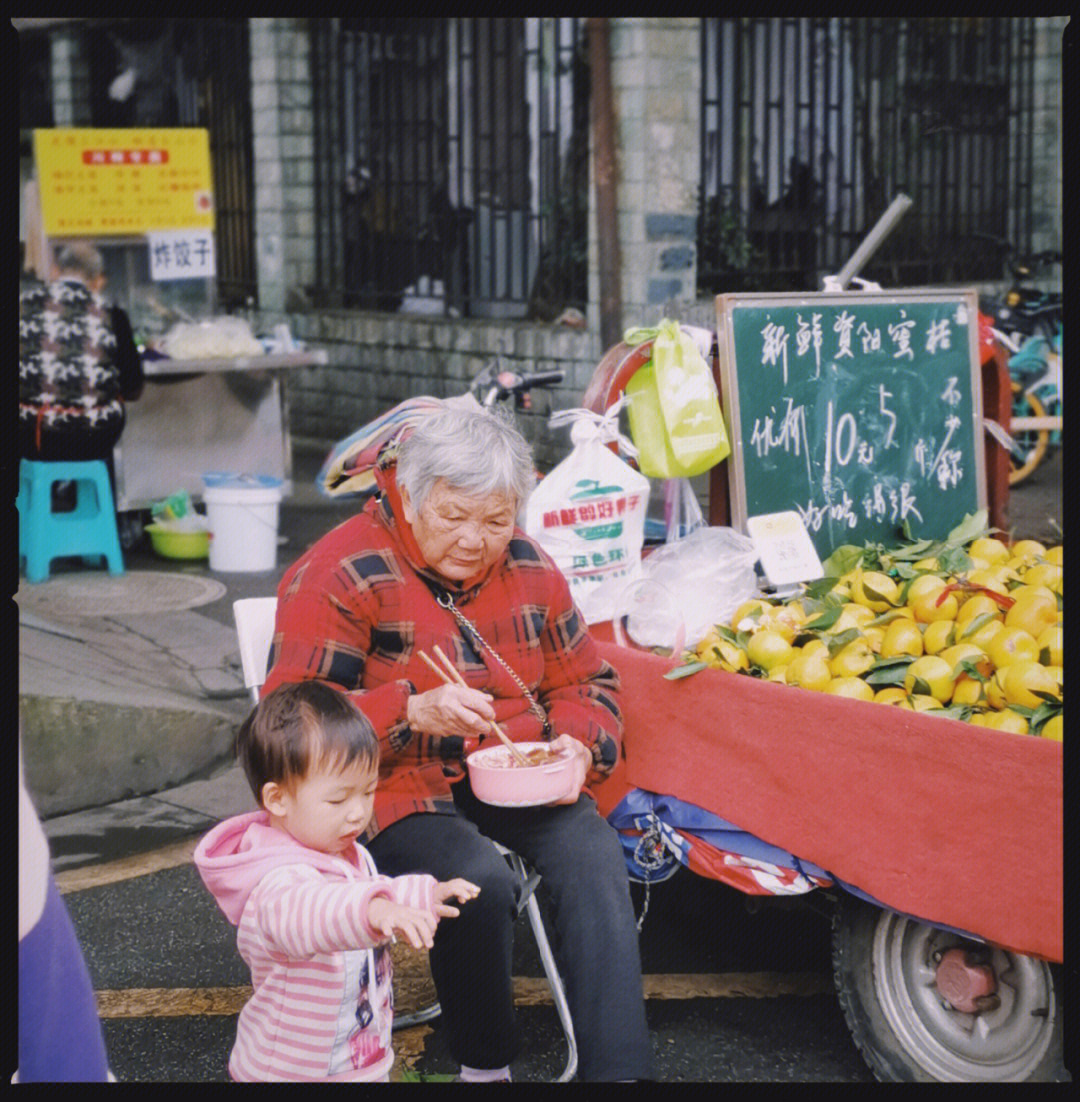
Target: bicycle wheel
<point>1031,442</point>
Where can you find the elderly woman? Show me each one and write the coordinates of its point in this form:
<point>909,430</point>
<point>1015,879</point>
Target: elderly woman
<point>78,367</point>
<point>436,561</point>
<point>78,362</point>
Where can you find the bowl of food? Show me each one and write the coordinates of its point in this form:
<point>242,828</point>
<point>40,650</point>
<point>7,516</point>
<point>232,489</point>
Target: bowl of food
<point>498,778</point>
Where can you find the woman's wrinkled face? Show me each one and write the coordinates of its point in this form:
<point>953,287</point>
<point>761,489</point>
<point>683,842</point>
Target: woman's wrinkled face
<point>460,535</point>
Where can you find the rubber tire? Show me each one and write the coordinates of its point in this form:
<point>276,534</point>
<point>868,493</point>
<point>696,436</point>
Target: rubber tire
<point>1035,440</point>
<point>855,924</point>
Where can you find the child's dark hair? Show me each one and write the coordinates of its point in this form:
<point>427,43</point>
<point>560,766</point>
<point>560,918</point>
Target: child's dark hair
<point>300,725</point>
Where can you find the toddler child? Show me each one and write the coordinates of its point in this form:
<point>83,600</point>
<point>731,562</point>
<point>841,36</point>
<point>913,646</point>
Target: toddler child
<point>313,915</point>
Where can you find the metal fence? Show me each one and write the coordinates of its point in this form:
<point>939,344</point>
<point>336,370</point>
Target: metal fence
<point>35,81</point>
<point>451,164</point>
<point>812,126</point>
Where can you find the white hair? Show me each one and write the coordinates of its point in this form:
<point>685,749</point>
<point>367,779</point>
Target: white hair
<point>80,257</point>
<point>477,452</point>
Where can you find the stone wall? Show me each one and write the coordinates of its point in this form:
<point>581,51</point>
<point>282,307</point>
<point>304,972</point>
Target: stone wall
<point>70,87</point>
<point>1046,153</point>
<point>284,154</point>
<point>656,79</point>
<point>378,360</point>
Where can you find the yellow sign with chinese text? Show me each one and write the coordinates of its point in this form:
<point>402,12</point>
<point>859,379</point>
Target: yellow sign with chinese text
<point>99,183</point>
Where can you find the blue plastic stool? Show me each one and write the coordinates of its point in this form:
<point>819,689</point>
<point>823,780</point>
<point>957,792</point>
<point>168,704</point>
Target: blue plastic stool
<point>88,531</point>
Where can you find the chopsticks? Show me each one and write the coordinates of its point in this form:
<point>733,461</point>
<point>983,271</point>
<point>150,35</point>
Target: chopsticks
<point>450,674</point>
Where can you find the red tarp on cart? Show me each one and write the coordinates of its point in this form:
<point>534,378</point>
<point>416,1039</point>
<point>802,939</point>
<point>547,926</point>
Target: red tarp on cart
<point>955,824</point>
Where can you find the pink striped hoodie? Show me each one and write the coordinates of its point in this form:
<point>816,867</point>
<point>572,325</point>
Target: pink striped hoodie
<point>322,1003</point>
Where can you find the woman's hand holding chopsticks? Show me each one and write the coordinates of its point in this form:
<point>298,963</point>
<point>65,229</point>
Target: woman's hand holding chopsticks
<point>451,710</point>
<point>456,704</point>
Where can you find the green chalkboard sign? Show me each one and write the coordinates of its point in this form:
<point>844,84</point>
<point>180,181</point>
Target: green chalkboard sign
<point>858,411</point>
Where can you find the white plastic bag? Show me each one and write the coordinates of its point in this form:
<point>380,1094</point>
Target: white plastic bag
<point>707,574</point>
<point>588,514</point>
<point>218,338</point>
<point>682,512</point>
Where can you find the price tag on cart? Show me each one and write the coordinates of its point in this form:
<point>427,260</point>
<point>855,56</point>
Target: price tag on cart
<point>784,546</point>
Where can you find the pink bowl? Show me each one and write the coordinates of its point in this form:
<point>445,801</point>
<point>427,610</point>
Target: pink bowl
<point>497,780</point>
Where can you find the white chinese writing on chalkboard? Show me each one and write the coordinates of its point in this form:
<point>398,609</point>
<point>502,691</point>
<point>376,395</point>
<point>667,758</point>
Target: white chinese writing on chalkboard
<point>842,441</point>
<point>808,337</point>
<point>857,412</point>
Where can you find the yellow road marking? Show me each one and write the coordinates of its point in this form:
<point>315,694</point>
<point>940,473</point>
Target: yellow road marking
<point>181,1002</point>
<point>736,985</point>
<point>171,1002</point>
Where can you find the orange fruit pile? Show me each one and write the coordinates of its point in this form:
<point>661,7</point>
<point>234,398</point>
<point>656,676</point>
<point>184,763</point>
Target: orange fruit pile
<point>979,640</point>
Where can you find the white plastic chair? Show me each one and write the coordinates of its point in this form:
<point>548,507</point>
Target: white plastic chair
<point>254,618</point>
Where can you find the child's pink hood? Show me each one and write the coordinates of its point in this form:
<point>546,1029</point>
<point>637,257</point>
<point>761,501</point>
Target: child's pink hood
<point>239,852</point>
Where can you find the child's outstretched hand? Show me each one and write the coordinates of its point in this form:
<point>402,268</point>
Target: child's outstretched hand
<point>389,918</point>
<point>458,889</point>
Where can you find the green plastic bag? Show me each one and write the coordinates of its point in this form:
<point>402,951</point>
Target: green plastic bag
<point>674,410</point>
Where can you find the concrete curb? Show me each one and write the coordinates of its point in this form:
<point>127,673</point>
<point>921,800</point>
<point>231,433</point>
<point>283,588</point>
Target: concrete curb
<point>79,754</point>
<point>121,706</point>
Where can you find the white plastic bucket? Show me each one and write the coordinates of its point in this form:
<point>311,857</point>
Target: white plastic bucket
<point>243,523</point>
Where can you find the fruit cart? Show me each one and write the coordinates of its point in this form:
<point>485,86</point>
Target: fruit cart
<point>939,842</point>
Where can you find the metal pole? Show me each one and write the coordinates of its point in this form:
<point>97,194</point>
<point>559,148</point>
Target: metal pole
<point>605,170</point>
<point>872,241</point>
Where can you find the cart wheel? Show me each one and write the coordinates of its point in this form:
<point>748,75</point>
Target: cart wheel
<point>1032,442</point>
<point>1000,1020</point>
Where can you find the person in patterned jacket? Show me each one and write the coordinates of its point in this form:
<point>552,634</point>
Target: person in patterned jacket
<point>78,363</point>
<point>436,560</point>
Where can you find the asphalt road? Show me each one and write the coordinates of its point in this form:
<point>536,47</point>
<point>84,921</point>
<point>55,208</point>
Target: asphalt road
<point>732,995</point>
<point>1037,505</point>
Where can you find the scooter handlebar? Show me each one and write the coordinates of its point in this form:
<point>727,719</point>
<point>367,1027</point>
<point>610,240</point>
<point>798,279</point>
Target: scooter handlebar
<point>492,385</point>
<point>541,378</point>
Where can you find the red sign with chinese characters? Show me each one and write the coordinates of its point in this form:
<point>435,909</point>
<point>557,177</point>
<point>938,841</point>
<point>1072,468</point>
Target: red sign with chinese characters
<point>125,156</point>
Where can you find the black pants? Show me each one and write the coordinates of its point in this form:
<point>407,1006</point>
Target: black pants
<point>53,445</point>
<point>594,939</point>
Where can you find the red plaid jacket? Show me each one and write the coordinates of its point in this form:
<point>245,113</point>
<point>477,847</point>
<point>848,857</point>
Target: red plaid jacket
<point>355,610</point>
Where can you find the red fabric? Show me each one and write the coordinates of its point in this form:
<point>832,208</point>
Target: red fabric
<point>956,824</point>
